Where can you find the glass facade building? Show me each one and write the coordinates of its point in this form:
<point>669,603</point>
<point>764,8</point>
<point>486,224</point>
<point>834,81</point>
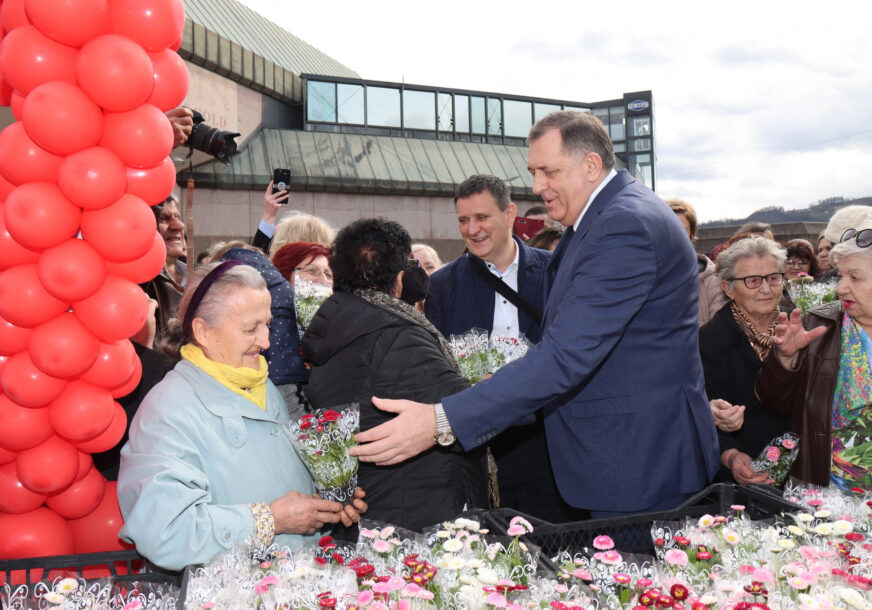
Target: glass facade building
<point>354,106</point>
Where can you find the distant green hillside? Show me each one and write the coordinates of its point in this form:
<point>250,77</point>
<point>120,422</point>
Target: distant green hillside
<point>819,212</point>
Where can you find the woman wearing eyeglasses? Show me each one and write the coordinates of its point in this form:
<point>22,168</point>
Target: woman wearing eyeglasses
<point>800,260</point>
<point>304,260</point>
<point>819,372</point>
<point>732,347</point>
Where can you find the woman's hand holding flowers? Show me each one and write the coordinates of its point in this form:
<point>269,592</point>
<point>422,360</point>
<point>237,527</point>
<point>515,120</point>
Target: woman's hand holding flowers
<point>297,513</point>
<point>351,513</point>
<point>740,465</point>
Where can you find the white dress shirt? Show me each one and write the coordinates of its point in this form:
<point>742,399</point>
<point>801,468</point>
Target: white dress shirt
<point>596,191</point>
<point>506,314</point>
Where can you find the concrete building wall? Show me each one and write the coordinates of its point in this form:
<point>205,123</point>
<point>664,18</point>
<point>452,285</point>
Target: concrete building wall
<point>221,215</point>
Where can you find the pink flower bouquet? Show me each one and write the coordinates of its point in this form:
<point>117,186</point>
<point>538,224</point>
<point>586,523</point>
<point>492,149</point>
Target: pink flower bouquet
<point>778,456</point>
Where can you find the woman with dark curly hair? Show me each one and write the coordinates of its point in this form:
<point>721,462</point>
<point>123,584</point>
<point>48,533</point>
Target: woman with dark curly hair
<point>364,342</point>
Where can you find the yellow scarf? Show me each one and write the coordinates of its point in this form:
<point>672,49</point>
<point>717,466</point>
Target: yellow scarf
<point>243,381</point>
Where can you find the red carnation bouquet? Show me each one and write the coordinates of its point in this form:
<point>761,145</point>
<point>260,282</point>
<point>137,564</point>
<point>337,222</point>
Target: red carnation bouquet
<point>322,439</point>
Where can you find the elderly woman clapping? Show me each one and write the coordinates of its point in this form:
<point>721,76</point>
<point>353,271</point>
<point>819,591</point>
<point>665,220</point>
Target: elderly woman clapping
<point>821,377</point>
<point>732,347</point>
<point>208,464</point>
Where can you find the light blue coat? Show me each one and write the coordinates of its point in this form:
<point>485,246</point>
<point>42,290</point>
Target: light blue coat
<point>197,455</point>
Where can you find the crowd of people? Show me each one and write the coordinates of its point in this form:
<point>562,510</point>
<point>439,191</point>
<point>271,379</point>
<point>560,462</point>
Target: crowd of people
<point>653,370</point>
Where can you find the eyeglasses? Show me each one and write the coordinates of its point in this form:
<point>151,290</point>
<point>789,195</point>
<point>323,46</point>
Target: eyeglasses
<point>755,281</point>
<point>863,238</point>
<point>796,262</point>
<point>316,272</point>
<point>414,262</point>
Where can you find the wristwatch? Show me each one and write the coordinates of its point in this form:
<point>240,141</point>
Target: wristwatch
<point>444,434</point>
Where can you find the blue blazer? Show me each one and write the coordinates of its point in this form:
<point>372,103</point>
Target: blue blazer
<point>617,371</point>
<point>460,300</point>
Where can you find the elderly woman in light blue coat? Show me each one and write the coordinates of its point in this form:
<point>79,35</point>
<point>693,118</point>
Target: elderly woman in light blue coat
<point>208,464</point>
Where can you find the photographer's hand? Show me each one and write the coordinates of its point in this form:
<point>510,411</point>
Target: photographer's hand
<point>182,121</point>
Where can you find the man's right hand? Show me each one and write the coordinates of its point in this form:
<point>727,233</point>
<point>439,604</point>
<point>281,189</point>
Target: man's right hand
<point>272,203</point>
<point>411,432</point>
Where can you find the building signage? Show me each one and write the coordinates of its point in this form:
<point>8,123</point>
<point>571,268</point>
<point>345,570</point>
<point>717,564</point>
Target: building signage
<point>638,105</point>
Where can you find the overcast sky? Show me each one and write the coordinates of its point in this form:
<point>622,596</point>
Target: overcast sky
<point>755,103</point>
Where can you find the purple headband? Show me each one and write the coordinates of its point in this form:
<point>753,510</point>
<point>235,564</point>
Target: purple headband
<point>200,292</point>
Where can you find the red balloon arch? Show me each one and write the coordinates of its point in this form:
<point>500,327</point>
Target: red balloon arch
<point>88,82</point>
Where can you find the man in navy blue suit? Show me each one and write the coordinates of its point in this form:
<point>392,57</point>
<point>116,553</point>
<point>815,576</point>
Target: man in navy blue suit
<point>617,372</point>
<point>463,296</point>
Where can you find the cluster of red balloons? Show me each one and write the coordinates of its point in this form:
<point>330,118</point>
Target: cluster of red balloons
<point>88,82</point>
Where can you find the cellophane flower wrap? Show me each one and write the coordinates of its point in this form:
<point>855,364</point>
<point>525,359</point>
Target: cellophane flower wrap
<point>308,298</point>
<point>479,353</point>
<point>808,294</point>
<point>778,456</point>
<point>322,440</point>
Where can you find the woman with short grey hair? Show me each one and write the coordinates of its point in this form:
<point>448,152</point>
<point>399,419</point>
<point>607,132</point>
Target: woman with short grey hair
<point>733,346</point>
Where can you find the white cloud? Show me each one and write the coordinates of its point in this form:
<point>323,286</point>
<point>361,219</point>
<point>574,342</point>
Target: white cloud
<point>756,104</point>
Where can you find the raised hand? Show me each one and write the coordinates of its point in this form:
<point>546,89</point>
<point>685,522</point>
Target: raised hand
<point>790,334</point>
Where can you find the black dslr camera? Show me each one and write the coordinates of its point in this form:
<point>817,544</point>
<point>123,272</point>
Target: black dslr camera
<point>211,140</point>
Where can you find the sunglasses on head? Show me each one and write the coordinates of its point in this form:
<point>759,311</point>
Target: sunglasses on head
<point>863,238</point>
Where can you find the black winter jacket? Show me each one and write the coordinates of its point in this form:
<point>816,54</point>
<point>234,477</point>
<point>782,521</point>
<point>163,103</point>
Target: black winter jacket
<point>359,350</point>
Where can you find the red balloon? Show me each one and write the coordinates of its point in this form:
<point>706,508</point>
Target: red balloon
<point>128,386</point>
<point>27,385</point>
<point>62,347</point>
<point>122,232</point>
<point>48,467</point>
<point>28,59</point>
<point>16,103</point>
<point>80,498</point>
<point>11,252</point>
<point>85,463</point>
<point>5,188</point>
<point>13,14</point>
<point>23,300</point>
<point>115,363</point>
<point>38,216</point>
<point>153,185</point>
<point>69,22</point>
<point>72,271</point>
<point>115,72</point>
<point>140,138</point>
<point>110,437</point>
<point>155,24</point>
<point>82,411</point>
<point>3,361</point>
<point>6,93</point>
<point>98,531</point>
<point>170,79</point>
<point>7,456</point>
<point>15,497</point>
<point>62,119</point>
<point>38,533</point>
<point>22,428</point>
<point>22,160</point>
<point>115,312</point>
<point>13,338</point>
<point>144,268</point>
<point>93,178</point>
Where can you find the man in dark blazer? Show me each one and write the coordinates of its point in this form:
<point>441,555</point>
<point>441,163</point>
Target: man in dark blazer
<point>617,371</point>
<point>460,299</point>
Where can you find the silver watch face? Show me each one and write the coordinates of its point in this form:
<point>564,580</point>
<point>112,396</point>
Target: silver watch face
<point>445,438</point>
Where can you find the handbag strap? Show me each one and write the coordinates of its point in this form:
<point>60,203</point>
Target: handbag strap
<point>504,289</point>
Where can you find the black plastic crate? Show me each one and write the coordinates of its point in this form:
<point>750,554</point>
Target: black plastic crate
<point>123,567</point>
<point>632,534</point>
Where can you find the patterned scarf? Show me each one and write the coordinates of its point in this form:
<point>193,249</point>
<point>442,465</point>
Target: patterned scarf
<point>761,342</point>
<point>851,465</point>
<point>407,312</point>
<point>854,384</point>
<point>244,381</point>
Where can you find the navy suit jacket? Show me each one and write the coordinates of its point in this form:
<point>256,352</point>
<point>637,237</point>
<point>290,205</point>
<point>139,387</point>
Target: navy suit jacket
<point>459,300</point>
<point>617,371</point>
